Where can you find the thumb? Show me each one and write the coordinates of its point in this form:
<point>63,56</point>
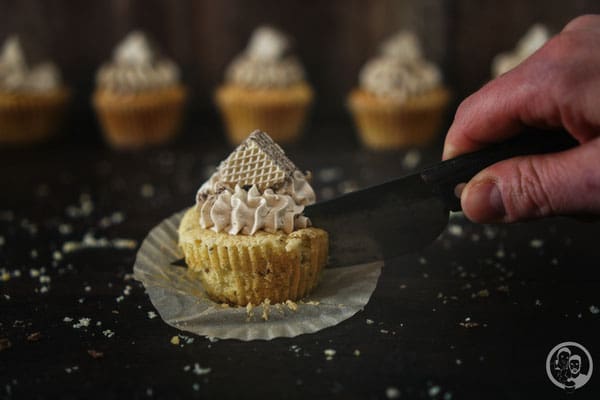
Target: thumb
<point>529,187</point>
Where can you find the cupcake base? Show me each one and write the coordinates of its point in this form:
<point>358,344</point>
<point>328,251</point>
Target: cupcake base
<point>31,117</point>
<point>243,269</point>
<point>279,112</point>
<point>141,119</point>
<point>386,123</point>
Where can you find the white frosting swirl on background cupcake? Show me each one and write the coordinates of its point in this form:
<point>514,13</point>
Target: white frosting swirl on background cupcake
<point>400,71</point>
<point>16,76</point>
<point>136,66</point>
<point>535,38</point>
<point>248,210</point>
<point>266,62</point>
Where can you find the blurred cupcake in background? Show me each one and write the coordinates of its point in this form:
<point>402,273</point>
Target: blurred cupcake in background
<point>32,99</point>
<point>401,100</point>
<point>139,99</point>
<point>535,38</point>
<point>265,88</point>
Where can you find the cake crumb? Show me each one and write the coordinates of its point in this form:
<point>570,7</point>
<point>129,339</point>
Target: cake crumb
<point>175,340</point>
<point>356,353</point>
<point>369,321</point>
<point>594,309</point>
<point>34,337</point>
<point>266,309</point>
<point>249,311</point>
<point>291,305</point>
<point>198,370</point>
<point>536,243</point>
<point>329,353</point>
<point>392,393</point>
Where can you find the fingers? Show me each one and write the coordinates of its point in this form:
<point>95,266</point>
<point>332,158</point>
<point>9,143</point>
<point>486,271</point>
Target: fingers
<point>535,186</point>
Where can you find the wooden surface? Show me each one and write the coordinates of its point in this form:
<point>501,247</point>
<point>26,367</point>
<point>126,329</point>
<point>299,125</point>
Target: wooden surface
<point>333,38</point>
<point>527,287</point>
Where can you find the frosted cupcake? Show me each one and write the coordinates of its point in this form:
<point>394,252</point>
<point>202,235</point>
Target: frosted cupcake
<point>401,99</point>
<point>264,87</point>
<point>32,99</point>
<point>535,38</point>
<point>246,237</point>
<point>138,99</point>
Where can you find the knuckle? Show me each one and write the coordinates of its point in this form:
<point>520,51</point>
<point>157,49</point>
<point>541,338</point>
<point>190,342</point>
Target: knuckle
<point>528,196</point>
<point>582,21</point>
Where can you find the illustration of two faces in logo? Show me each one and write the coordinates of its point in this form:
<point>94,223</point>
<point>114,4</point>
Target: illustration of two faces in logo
<point>567,369</point>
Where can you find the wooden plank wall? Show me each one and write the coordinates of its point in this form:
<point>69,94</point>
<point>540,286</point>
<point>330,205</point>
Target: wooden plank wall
<point>333,37</point>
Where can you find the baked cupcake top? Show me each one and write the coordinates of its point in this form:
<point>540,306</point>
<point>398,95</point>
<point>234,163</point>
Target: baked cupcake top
<point>399,71</point>
<point>266,62</point>
<point>17,76</point>
<point>136,66</point>
<point>535,38</point>
<point>256,188</point>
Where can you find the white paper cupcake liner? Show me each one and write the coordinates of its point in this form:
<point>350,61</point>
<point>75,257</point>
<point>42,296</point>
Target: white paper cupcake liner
<point>182,303</point>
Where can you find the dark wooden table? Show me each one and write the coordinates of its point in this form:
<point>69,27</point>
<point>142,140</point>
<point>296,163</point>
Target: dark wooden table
<point>471,316</point>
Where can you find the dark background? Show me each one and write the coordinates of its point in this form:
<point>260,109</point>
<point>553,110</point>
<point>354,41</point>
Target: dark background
<point>528,287</point>
<point>333,38</point>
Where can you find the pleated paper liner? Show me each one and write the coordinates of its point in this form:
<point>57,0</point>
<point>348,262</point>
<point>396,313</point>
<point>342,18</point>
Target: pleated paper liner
<point>182,302</point>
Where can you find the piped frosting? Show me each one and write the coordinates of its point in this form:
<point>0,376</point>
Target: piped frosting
<point>256,188</point>
<point>535,38</point>
<point>137,66</point>
<point>17,76</point>
<point>266,62</point>
<point>399,71</point>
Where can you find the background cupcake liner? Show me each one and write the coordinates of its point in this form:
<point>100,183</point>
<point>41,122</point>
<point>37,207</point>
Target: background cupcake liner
<point>386,124</point>
<point>279,112</point>
<point>136,120</point>
<point>182,303</point>
<point>31,117</point>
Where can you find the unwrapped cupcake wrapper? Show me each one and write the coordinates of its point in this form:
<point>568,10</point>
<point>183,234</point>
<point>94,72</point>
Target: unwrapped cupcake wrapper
<point>382,124</point>
<point>280,114</point>
<point>140,119</point>
<point>31,117</point>
<point>182,302</point>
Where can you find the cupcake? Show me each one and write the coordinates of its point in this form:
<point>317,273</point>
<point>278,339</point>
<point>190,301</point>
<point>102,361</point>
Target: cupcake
<point>401,99</point>
<point>246,237</point>
<point>32,99</point>
<point>535,38</point>
<point>138,98</point>
<point>264,87</point>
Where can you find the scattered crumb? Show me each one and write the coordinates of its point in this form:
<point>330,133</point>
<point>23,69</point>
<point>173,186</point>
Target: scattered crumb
<point>175,340</point>
<point>594,309</point>
<point>502,288</point>
<point>152,314</point>
<point>369,321</point>
<point>455,230</point>
<point>384,331</point>
<point>538,302</point>
<point>392,393</point>
<point>198,370</point>
<point>458,361</point>
<point>311,303</point>
<point>266,309</point>
<point>95,354</point>
<point>291,305</point>
<point>65,229</point>
<point>328,175</point>
<point>434,391</point>
<point>83,322</point>
<point>90,242</point>
<point>329,353</point>
<point>411,159</point>
<point>536,243</point>
<point>356,353</point>
<point>249,311</point>
<point>67,319</point>
<point>482,293</point>
<point>147,190</point>
<point>108,333</point>
<point>74,368</point>
<point>196,387</point>
<point>34,337</point>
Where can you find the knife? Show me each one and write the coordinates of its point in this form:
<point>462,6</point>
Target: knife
<point>406,214</point>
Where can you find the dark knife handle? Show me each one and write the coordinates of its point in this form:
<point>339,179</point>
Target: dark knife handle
<point>444,177</point>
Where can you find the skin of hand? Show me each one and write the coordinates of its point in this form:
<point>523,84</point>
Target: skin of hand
<point>558,86</point>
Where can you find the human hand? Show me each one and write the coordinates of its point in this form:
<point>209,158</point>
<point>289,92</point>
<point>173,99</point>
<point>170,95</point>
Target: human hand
<point>558,86</point>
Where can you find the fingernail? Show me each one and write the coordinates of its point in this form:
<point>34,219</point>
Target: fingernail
<point>484,202</point>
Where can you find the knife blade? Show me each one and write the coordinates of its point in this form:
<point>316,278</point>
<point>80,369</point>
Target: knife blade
<point>406,214</point>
